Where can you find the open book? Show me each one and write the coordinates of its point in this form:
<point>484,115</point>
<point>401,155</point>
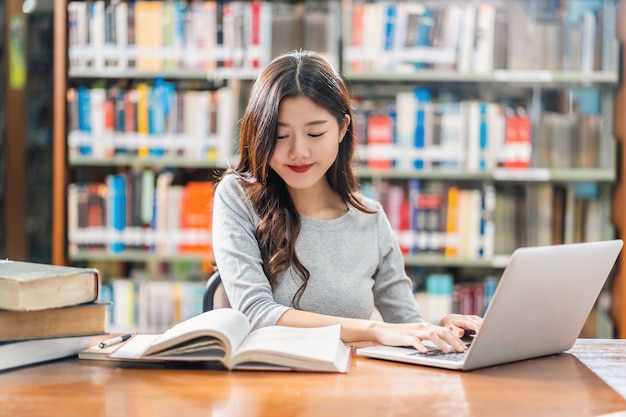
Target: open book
<point>223,335</point>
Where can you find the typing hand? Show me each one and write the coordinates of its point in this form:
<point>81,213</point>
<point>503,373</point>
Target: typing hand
<point>447,339</point>
<point>462,323</point>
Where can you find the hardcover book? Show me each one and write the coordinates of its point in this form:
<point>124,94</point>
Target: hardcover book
<point>82,319</point>
<point>223,336</point>
<point>34,286</point>
<point>29,352</point>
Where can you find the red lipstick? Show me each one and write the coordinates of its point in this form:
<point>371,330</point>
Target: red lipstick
<point>300,168</point>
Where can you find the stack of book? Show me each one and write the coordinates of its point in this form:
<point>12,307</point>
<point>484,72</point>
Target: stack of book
<point>47,312</point>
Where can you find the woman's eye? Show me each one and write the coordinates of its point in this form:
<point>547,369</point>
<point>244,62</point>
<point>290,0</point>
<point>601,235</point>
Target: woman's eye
<point>282,136</point>
<point>316,135</point>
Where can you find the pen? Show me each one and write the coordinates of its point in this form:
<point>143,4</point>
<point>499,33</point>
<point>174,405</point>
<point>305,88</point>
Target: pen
<point>113,341</point>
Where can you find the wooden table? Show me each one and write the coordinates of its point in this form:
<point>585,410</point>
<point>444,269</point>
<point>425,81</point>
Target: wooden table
<point>560,385</point>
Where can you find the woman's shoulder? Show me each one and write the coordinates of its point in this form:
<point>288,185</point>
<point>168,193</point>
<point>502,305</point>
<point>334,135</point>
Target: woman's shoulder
<point>230,182</point>
<point>369,202</point>
<point>230,190</point>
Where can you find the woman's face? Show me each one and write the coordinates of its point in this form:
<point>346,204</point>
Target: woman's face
<point>307,144</point>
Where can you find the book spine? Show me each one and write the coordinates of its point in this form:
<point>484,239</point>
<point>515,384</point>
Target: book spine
<point>379,139</point>
<point>142,114</point>
<point>96,33</point>
<point>422,97</point>
<point>121,35</point>
<point>116,185</point>
<point>406,111</point>
<point>452,223</point>
<point>84,118</point>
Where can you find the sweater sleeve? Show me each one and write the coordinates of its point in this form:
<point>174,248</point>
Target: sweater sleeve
<point>393,292</point>
<point>238,256</point>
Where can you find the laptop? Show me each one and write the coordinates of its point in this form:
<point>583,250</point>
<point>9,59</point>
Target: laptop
<point>539,307</point>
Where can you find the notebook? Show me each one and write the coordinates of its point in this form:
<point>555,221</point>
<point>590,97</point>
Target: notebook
<point>539,307</point>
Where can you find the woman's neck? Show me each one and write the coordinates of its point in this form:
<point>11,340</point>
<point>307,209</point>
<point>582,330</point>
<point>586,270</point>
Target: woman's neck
<point>320,202</point>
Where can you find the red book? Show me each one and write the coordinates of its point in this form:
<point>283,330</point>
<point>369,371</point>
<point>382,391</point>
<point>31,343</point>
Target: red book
<point>255,34</point>
<point>379,135</point>
<point>196,218</point>
<point>109,126</point>
<point>517,141</point>
<point>358,11</point>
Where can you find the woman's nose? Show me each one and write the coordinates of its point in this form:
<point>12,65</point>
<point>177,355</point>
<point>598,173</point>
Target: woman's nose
<point>299,147</point>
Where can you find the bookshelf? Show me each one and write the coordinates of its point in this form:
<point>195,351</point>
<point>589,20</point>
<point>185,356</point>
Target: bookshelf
<point>373,82</point>
<point>14,127</point>
<point>2,126</point>
<point>522,73</point>
<point>196,71</point>
<point>618,305</point>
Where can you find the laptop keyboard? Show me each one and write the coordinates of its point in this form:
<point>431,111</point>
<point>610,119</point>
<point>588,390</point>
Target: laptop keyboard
<point>437,353</point>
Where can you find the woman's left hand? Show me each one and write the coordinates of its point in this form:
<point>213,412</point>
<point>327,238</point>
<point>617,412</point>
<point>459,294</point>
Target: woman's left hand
<point>460,323</point>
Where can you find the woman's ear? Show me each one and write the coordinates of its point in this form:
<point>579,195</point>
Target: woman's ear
<point>343,128</point>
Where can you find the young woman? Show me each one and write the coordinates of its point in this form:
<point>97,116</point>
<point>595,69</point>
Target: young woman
<point>295,242</point>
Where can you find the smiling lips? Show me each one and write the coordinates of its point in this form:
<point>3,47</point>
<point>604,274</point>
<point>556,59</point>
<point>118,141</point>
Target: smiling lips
<point>300,168</point>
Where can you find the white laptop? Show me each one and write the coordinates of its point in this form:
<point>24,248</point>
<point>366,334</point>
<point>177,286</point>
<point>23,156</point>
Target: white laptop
<point>540,305</point>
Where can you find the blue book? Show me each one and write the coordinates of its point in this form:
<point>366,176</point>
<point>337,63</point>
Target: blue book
<point>426,22</point>
<point>116,185</point>
<point>158,107</point>
<point>422,96</point>
<point>84,118</point>
<point>390,27</point>
<point>483,138</point>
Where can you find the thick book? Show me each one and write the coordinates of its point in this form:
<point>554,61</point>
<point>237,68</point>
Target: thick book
<point>34,286</point>
<point>29,352</point>
<point>82,319</point>
<point>223,336</point>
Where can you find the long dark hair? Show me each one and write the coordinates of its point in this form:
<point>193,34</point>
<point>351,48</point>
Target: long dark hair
<point>301,73</point>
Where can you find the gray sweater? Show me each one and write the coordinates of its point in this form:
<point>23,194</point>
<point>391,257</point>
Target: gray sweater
<point>354,261</point>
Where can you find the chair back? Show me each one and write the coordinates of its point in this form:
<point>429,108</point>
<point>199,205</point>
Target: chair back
<point>214,294</point>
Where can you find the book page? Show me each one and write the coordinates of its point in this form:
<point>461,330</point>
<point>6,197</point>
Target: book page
<point>228,326</point>
<point>134,347</point>
<point>317,349</point>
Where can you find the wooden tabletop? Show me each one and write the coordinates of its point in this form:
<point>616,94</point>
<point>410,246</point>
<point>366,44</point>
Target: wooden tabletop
<point>560,385</point>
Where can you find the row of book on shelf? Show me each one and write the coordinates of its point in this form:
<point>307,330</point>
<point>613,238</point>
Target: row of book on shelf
<point>476,37</point>
<point>441,296</point>
<point>413,131</point>
<point>151,121</point>
<point>196,35</point>
<point>459,221</point>
<point>151,306</point>
<point>397,36</point>
<point>139,210</point>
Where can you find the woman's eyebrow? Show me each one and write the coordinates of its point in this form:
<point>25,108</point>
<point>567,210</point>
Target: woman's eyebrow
<point>311,123</point>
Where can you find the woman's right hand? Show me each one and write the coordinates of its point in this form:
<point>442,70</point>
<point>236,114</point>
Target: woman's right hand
<point>447,338</point>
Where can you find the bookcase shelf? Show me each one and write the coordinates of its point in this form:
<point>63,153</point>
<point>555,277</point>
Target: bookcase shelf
<point>216,76</point>
<point>129,161</point>
<point>133,256</point>
<point>515,86</point>
<point>440,261</point>
<point>521,78</point>
<point>500,175</point>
